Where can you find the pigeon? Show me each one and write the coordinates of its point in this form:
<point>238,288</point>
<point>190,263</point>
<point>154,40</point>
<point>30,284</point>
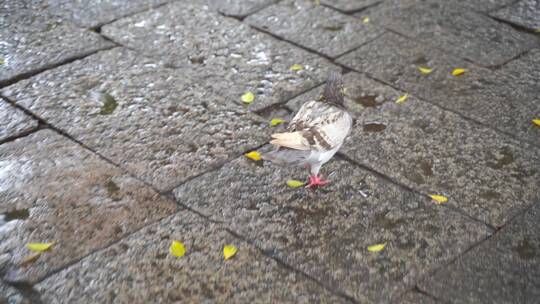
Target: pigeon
<point>315,133</point>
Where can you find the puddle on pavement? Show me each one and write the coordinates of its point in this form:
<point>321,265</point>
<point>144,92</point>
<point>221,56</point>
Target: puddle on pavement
<point>504,157</point>
<point>374,127</point>
<point>109,104</point>
<point>368,101</point>
<point>427,168</point>
<point>525,250</point>
<point>20,214</point>
<point>197,59</point>
<point>113,190</point>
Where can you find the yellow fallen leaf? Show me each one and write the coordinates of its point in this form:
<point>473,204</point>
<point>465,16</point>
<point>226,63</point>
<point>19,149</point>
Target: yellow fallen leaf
<point>459,71</point>
<point>294,183</point>
<point>365,20</point>
<point>402,98</point>
<point>276,121</point>
<point>296,67</point>
<point>177,249</point>
<point>229,251</point>
<point>254,155</point>
<point>248,97</point>
<point>439,199</point>
<point>424,70</point>
<point>536,121</point>
<point>39,247</point>
<point>376,247</point>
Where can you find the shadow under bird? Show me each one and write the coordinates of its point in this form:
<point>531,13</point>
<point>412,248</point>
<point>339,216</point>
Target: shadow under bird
<point>315,133</point>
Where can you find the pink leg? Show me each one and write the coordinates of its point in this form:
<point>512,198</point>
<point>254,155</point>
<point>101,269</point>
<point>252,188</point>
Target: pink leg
<point>316,181</point>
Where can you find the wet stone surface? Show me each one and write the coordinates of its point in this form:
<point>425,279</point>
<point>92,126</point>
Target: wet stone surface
<point>525,13</point>
<point>71,198</point>
<point>350,5</point>
<point>237,8</point>
<point>226,56</point>
<point>489,176</point>
<point>314,26</point>
<point>458,30</point>
<point>90,14</point>
<point>503,269</point>
<point>325,232</point>
<point>14,121</point>
<point>156,122</point>
<point>505,100</point>
<point>32,41</point>
<point>201,276</point>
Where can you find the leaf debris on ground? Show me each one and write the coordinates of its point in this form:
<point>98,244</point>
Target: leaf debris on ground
<point>248,97</point>
<point>376,247</point>
<point>295,183</point>
<point>177,249</point>
<point>253,155</point>
<point>229,251</point>
<point>439,199</point>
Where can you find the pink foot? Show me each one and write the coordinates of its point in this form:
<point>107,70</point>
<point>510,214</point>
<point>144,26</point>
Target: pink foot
<point>315,181</point>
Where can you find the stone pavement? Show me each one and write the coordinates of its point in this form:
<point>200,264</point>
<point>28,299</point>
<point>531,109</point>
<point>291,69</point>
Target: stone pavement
<point>123,129</point>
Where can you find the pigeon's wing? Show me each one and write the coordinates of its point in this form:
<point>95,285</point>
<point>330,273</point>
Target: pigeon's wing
<point>316,126</point>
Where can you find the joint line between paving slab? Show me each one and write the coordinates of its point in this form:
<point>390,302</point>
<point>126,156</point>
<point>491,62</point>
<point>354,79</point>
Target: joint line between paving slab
<point>266,253</point>
<point>32,73</point>
<point>354,11</point>
<point>23,134</point>
<point>395,182</point>
<point>241,18</point>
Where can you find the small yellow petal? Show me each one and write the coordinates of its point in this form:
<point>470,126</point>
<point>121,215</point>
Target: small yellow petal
<point>439,199</point>
<point>402,98</point>
<point>457,72</point>
<point>254,155</point>
<point>248,97</point>
<point>229,251</point>
<point>296,67</point>
<point>39,246</point>
<point>536,121</point>
<point>424,70</point>
<point>365,20</point>
<point>276,121</point>
<point>177,249</point>
<point>294,183</point>
<point>376,247</point>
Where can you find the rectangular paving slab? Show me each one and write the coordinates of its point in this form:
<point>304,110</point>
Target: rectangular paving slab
<point>95,13</point>
<point>315,27</point>
<point>458,30</point>
<point>502,100</point>
<point>487,175</point>
<point>33,41</point>
<point>53,190</point>
<point>156,122</point>
<point>503,269</point>
<point>14,122</point>
<point>140,269</point>
<point>225,55</point>
<point>525,13</point>
<point>524,72</point>
<point>325,233</point>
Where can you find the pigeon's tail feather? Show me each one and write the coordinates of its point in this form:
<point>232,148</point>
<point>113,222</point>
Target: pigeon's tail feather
<point>284,156</point>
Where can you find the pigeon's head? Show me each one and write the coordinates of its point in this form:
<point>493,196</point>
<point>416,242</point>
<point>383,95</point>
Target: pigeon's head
<point>333,91</point>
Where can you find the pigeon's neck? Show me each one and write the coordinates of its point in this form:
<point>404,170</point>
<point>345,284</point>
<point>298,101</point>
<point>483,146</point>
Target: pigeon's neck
<point>333,95</point>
